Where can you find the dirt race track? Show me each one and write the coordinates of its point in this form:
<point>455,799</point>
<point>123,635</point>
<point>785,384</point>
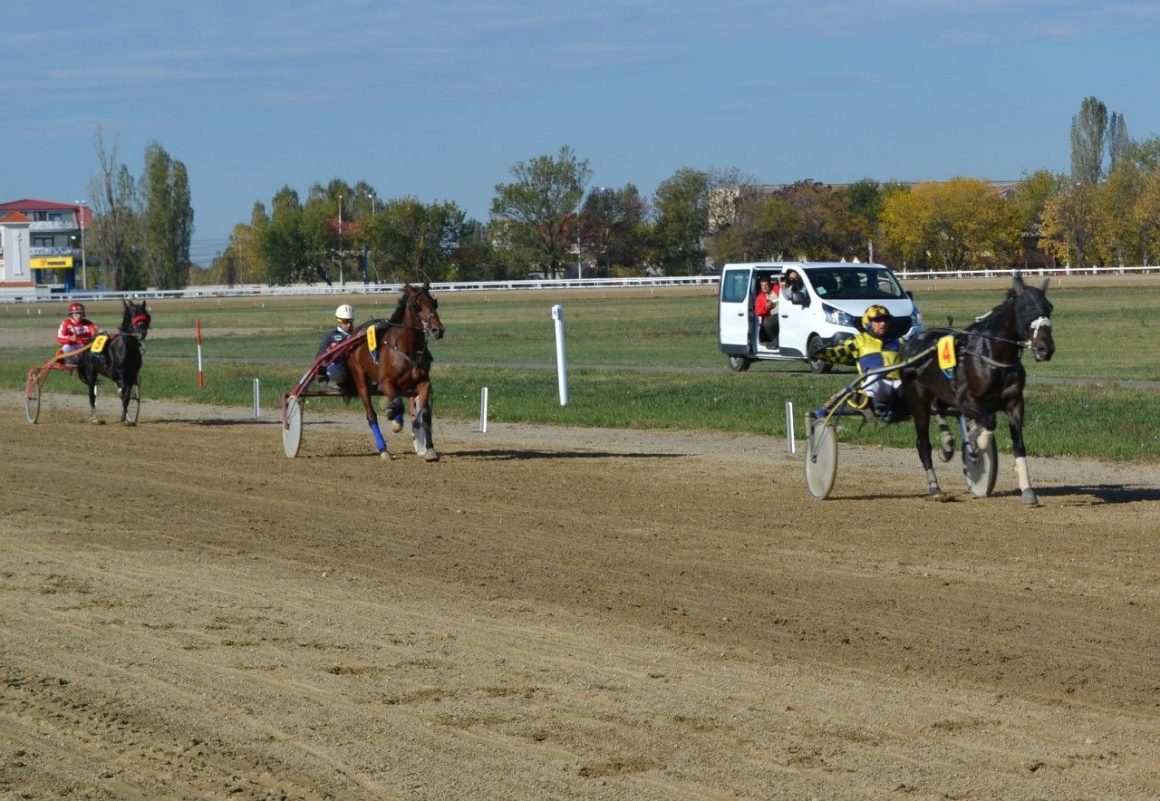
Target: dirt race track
<point>185,613</point>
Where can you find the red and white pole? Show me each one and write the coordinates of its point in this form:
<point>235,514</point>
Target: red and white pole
<point>200,374</point>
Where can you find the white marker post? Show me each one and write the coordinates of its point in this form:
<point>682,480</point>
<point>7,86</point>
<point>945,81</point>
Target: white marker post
<point>483,411</point>
<point>789,426</point>
<point>257,394</point>
<point>561,360</point>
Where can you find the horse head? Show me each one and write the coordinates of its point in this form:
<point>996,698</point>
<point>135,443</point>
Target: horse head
<point>422,303</point>
<point>136,319</point>
<point>1033,317</point>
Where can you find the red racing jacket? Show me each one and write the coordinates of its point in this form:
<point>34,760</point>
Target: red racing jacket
<point>80,332</point>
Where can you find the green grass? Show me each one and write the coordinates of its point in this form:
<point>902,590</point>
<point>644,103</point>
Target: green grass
<point>637,358</point>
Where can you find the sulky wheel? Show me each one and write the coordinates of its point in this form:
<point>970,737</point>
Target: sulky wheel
<point>32,398</point>
<point>291,426</point>
<point>133,409</point>
<point>821,458</point>
<point>981,468</point>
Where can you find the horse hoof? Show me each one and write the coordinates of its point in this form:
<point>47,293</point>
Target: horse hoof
<point>396,426</point>
<point>1030,498</point>
<point>386,455</point>
<point>431,456</point>
<point>96,422</point>
<point>129,423</point>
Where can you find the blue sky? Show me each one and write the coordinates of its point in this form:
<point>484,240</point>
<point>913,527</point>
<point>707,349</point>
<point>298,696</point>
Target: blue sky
<point>438,100</point>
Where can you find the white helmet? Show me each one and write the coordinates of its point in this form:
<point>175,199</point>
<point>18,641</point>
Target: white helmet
<point>345,312</point>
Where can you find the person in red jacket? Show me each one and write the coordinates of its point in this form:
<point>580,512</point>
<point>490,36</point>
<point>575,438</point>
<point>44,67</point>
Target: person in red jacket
<point>75,331</point>
<point>765,309</point>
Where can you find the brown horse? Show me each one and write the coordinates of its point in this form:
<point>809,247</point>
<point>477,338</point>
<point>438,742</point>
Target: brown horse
<point>981,374</point>
<point>392,360</point>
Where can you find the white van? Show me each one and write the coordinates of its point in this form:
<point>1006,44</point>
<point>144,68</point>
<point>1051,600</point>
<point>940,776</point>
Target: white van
<point>829,301</point>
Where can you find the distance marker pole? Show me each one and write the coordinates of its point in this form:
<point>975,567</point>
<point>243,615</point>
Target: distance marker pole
<point>200,374</point>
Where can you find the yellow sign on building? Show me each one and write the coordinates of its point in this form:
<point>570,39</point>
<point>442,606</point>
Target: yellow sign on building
<point>51,263</point>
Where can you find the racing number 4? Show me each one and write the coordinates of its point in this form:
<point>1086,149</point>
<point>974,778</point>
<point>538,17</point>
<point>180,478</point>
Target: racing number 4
<point>946,352</point>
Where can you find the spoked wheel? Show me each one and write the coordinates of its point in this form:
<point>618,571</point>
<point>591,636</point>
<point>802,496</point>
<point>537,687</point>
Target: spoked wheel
<point>821,458</point>
<point>133,410</point>
<point>32,399</point>
<point>291,426</point>
<point>981,468</point>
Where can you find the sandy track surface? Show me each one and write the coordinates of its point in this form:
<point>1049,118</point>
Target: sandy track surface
<point>559,613</point>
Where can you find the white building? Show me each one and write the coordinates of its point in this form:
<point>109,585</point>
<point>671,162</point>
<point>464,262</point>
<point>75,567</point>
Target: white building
<point>43,244</point>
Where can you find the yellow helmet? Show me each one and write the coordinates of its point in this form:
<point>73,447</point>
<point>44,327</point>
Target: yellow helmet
<point>875,312</point>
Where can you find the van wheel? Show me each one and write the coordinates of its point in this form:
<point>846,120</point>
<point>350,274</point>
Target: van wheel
<point>739,364</point>
<point>816,365</point>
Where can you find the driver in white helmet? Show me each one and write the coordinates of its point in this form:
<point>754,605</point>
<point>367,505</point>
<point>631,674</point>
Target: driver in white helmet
<point>334,372</point>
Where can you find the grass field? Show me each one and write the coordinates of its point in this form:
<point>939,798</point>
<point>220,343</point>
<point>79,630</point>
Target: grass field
<point>641,358</point>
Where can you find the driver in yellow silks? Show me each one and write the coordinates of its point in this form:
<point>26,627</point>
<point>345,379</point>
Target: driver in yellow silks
<point>870,349</point>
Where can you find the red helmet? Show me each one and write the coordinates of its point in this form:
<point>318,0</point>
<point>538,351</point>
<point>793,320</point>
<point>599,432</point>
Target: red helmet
<point>76,307</point>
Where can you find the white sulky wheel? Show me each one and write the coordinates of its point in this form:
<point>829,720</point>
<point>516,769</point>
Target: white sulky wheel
<point>821,458</point>
<point>32,399</point>
<point>291,426</point>
<point>133,409</point>
<point>982,469</point>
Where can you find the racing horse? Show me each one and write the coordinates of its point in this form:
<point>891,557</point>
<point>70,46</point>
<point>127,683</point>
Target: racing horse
<point>392,360</point>
<point>119,359</point>
<point>978,372</point>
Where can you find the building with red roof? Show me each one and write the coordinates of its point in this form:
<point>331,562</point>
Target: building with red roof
<point>42,243</point>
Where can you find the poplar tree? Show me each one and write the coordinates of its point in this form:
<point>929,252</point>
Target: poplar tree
<point>167,219</point>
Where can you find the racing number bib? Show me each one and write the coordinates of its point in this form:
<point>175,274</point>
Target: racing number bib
<point>372,343</point>
<point>99,343</point>
<point>946,353</point>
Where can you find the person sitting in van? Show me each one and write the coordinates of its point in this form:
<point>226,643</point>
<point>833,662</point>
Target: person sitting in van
<point>791,282</point>
<point>873,347</point>
<point>765,309</point>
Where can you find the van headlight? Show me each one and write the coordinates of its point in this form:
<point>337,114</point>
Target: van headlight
<point>836,316</point>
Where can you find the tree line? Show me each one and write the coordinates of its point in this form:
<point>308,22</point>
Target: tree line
<point>549,220</point>
<point>141,228</point>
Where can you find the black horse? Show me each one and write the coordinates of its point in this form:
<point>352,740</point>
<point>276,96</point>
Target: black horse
<point>976,373</point>
<point>118,359</point>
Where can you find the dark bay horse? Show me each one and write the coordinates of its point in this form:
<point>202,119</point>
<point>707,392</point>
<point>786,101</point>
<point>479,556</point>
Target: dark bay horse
<point>981,375</point>
<point>394,361</point>
<point>118,360</point>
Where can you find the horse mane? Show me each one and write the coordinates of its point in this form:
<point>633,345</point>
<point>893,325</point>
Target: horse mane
<point>400,309</point>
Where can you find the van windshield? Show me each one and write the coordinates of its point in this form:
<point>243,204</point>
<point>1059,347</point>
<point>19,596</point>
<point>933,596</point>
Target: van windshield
<point>856,282</point>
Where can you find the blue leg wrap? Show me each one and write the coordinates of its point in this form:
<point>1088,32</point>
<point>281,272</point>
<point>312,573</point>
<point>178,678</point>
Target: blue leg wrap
<point>380,443</point>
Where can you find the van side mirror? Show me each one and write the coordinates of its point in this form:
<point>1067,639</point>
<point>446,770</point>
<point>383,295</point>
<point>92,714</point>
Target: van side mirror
<point>799,299</point>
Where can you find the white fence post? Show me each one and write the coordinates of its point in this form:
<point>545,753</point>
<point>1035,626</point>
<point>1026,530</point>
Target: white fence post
<point>561,360</point>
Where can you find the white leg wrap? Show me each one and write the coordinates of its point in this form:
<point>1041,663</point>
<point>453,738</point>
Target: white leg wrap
<point>1021,472</point>
<point>983,441</point>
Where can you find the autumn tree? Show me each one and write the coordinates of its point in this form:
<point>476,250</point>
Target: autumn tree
<point>613,230</point>
<point>415,241</point>
<point>167,219</point>
<point>1070,225</point>
<point>960,223</point>
<point>115,235</point>
<point>536,213</point>
<point>681,204</point>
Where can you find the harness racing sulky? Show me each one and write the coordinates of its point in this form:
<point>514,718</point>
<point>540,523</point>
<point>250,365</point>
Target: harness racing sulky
<point>117,356</point>
<point>968,374</point>
<point>387,357</point>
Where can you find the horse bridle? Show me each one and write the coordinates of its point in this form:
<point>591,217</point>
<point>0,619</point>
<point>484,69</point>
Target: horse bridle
<point>424,325</point>
<point>140,325</point>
